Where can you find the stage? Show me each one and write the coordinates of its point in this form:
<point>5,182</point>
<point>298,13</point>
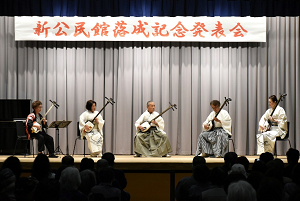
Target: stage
<point>147,178</point>
<point>131,163</point>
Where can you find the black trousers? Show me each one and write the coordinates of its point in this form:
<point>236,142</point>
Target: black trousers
<point>44,139</point>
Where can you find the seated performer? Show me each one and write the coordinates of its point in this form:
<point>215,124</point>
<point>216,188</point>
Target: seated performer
<point>42,137</point>
<point>266,139</point>
<point>95,136</point>
<point>214,141</point>
<point>153,142</point>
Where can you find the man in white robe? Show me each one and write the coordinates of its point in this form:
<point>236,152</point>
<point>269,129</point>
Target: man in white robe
<point>95,136</point>
<point>266,139</point>
<point>214,141</point>
<point>153,142</point>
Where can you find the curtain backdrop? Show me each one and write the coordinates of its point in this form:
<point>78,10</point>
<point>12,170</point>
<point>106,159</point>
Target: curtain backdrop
<point>185,73</point>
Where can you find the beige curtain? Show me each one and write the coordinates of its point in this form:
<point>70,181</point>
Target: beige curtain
<point>188,74</point>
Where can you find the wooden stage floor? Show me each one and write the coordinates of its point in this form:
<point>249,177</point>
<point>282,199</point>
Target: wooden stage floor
<point>131,163</point>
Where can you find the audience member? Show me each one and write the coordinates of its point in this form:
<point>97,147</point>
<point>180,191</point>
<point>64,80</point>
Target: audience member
<point>41,168</point>
<point>259,166</point>
<point>254,178</point>
<point>119,174</point>
<point>47,190</point>
<point>229,160</point>
<point>235,176</point>
<point>275,169</point>
<point>87,163</point>
<point>293,189</point>
<point>239,168</point>
<point>120,179</point>
<point>14,164</point>
<point>88,181</point>
<point>266,157</point>
<point>244,161</point>
<point>292,158</point>
<point>101,163</point>
<point>270,189</point>
<point>25,188</point>
<point>7,184</point>
<point>198,160</point>
<point>216,193</point>
<point>276,163</point>
<point>265,181</point>
<point>66,161</point>
<point>70,181</point>
<point>201,174</point>
<point>105,187</point>
<point>183,186</point>
<point>241,191</point>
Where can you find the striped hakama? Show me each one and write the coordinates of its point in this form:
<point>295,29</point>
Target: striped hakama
<point>215,141</point>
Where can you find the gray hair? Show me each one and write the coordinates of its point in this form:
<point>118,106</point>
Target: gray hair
<point>150,101</point>
<point>70,179</point>
<point>241,190</point>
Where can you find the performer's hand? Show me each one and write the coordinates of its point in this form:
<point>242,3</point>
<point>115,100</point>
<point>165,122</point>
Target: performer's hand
<point>271,119</point>
<point>206,126</point>
<point>97,121</point>
<point>261,128</point>
<point>154,122</point>
<point>141,127</point>
<point>45,121</point>
<point>37,126</point>
<point>217,120</point>
<point>86,127</point>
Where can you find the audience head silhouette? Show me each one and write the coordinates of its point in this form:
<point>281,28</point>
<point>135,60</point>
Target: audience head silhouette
<point>110,157</point>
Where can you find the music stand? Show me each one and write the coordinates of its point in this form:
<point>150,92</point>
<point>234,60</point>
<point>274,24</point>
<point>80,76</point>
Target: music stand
<point>57,125</point>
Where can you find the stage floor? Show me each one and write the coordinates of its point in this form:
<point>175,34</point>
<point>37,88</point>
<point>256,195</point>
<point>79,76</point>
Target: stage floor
<point>131,163</point>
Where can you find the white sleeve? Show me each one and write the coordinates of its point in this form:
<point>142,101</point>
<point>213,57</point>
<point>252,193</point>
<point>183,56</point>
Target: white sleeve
<point>264,118</point>
<point>101,122</point>
<point>210,117</point>
<point>226,121</point>
<point>82,120</point>
<point>139,122</point>
<point>161,123</point>
<point>281,116</point>
<point>282,121</point>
